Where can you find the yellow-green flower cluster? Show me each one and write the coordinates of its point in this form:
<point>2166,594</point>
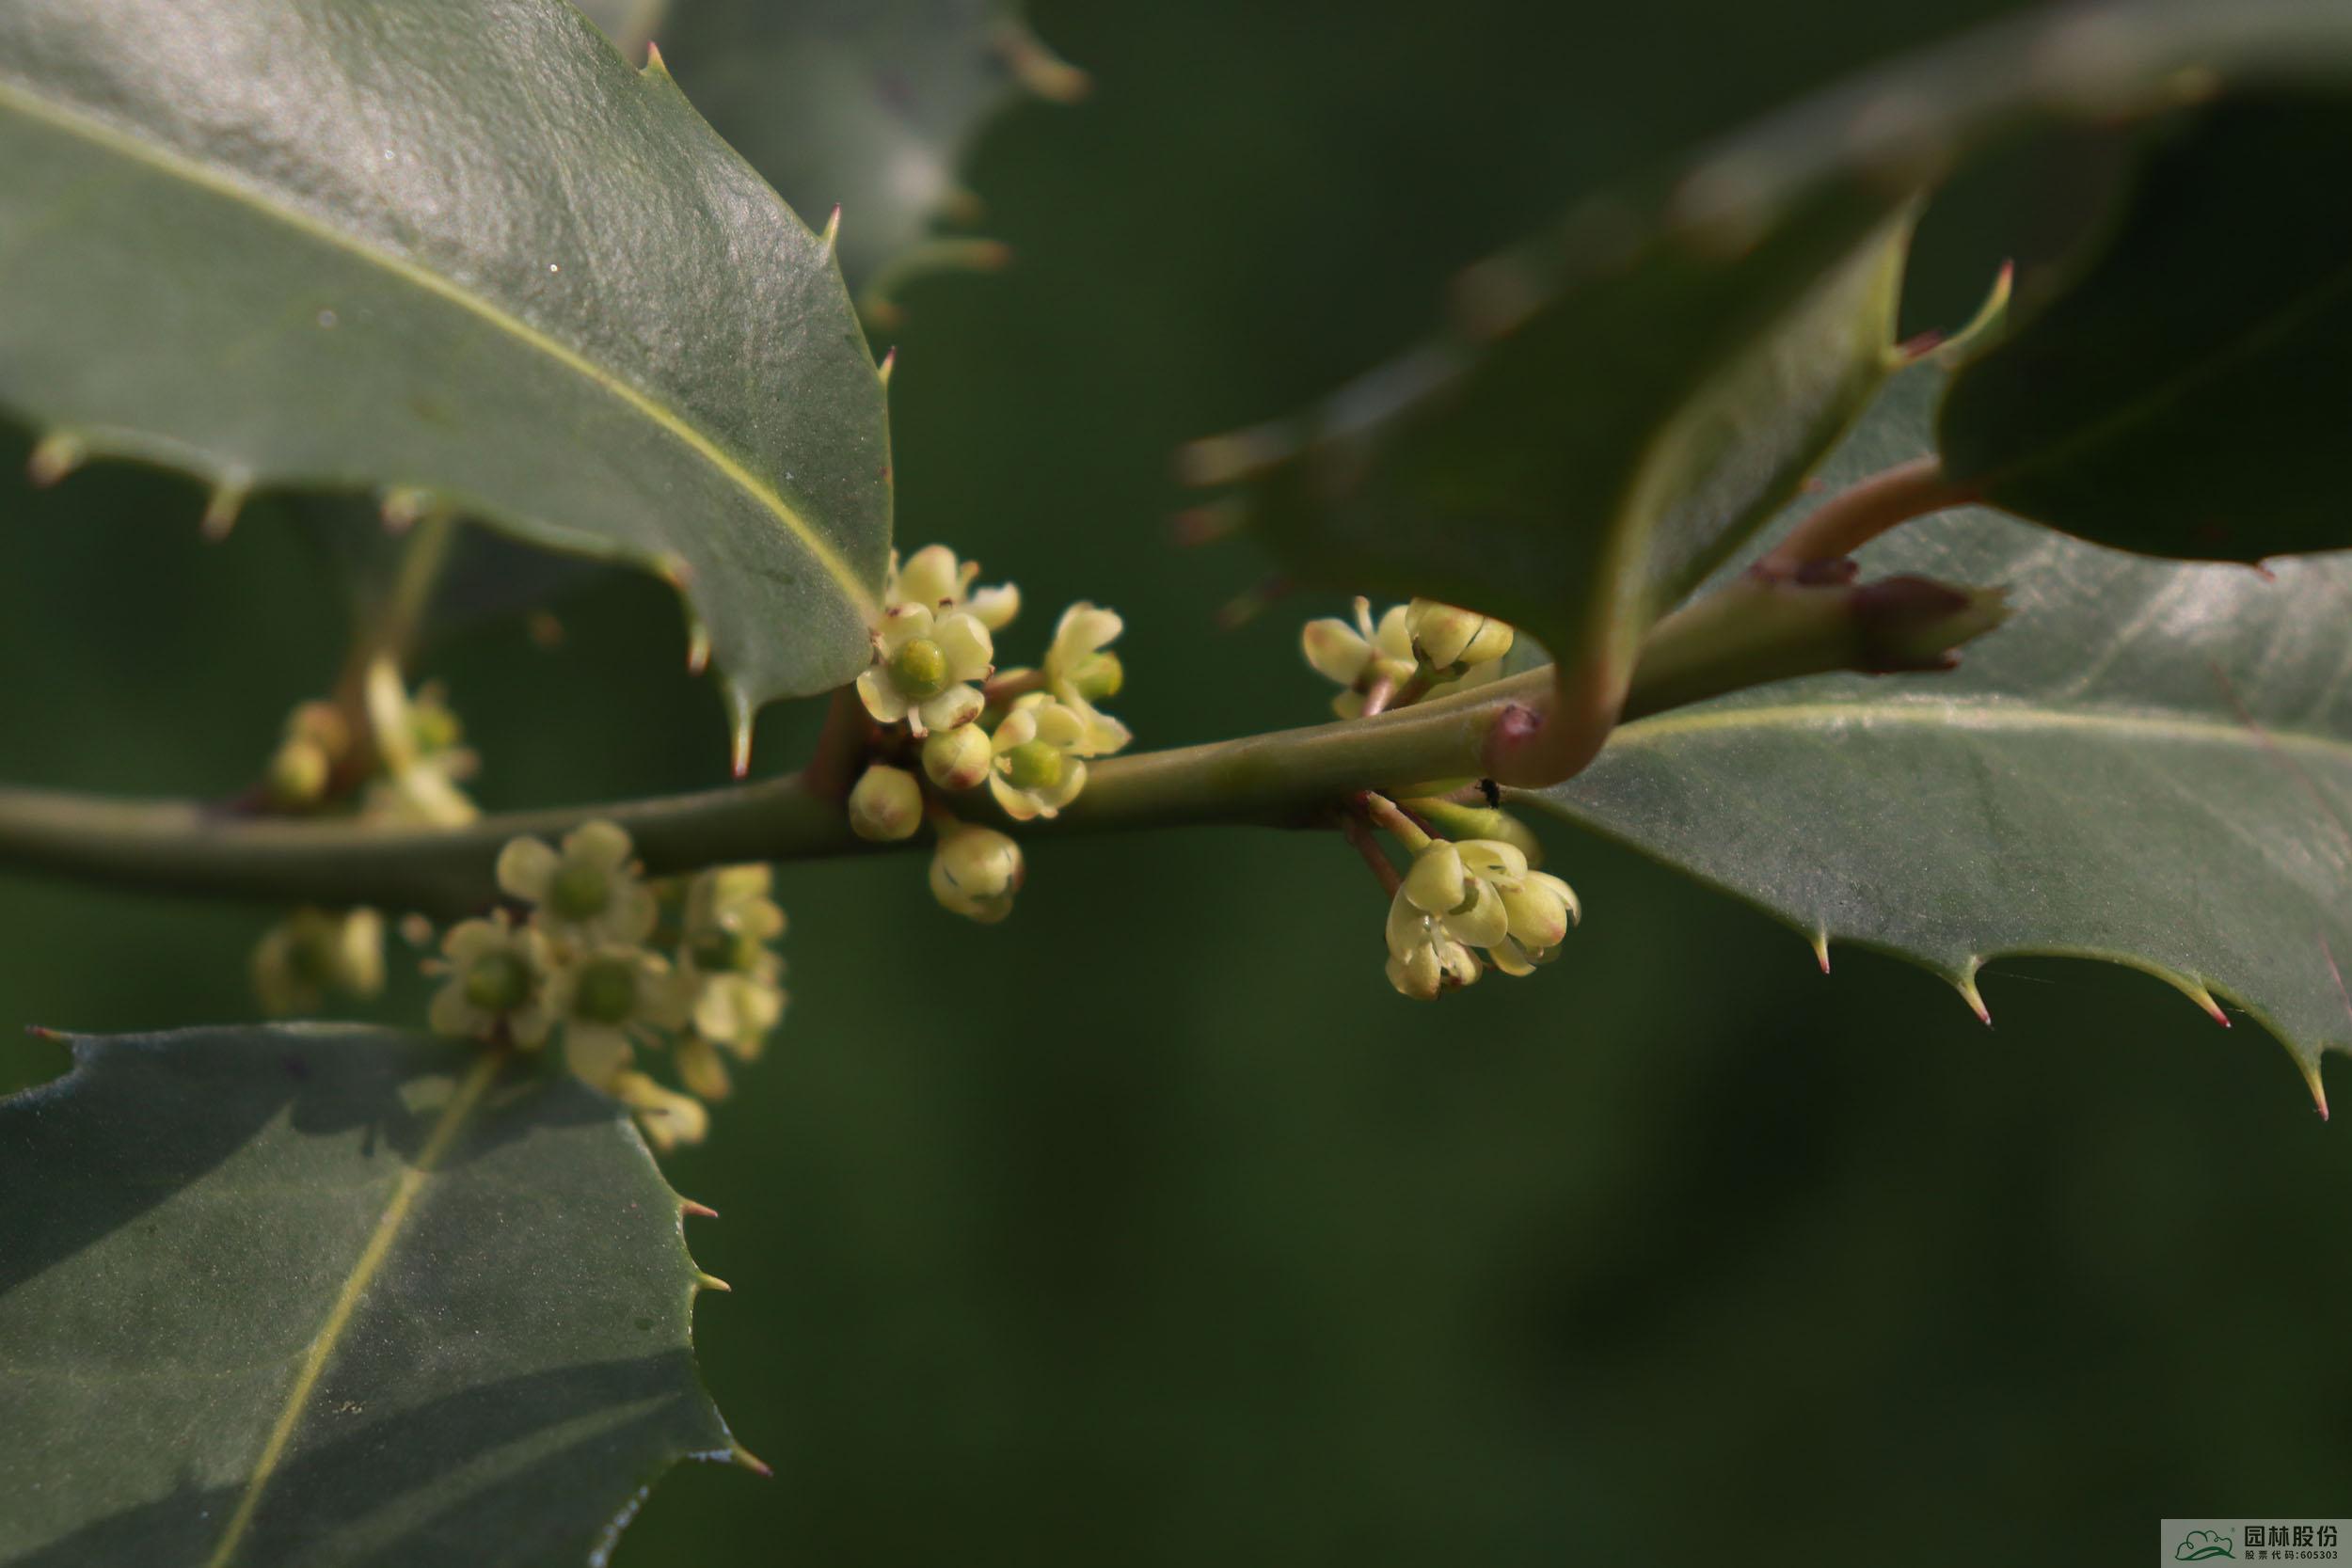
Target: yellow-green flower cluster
<point>1414,652</point>
<point>582,971</point>
<point>1479,894</point>
<point>311,953</point>
<point>1026,733</point>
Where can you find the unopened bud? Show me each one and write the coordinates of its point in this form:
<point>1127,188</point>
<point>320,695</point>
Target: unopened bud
<point>956,758</point>
<point>1446,637</point>
<point>886,805</point>
<point>976,872</point>
<point>298,775</point>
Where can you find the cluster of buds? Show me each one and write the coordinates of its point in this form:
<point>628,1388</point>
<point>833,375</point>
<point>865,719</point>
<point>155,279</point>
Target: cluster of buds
<point>404,770</point>
<point>582,970</point>
<point>950,721</point>
<point>1477,895</point>
<point>1466,905</point>
<point>1416,650</point>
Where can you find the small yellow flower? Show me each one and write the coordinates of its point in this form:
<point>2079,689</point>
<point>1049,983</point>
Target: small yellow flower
<point>589,893</point>
<point>610,1000</point>
<point>1039,766</point>
<point>924,667</point>
<point>311,953</point>
<point>976,872</point>
<point>498,974</point>
<point>1422,959</point>
<point>670,1119</point>
<point>1481,893</point>
<point>934,579</point>
<point>1079,669</point>
<point>1358,657</point>
<point>728,971</point>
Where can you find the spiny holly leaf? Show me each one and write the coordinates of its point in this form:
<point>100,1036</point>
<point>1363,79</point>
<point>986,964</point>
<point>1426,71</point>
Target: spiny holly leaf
<point>870,105</point>
<point>2151,763</point>
<point>333,1295</point>
<point>458,250</point>
<point>1614,409</point>
<point>2185,394</point>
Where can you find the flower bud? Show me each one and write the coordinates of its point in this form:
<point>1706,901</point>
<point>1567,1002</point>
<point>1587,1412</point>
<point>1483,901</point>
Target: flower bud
<point>298,774</point>
<point>956,758</point>
<point>886,805</point>
<point>1437,884</point>
<point>976,872</point>
<point>1540,911</point>
<point>1446,637</point>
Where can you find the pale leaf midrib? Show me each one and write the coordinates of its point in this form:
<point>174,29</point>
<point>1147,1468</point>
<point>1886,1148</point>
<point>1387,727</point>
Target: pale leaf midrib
<point>463,1099</point>
<point>2009,717</point>
<point>110,138</point>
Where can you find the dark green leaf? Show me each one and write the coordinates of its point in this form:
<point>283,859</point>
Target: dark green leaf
<point>2151,763</point>
<point>1615,408</point>
<point>326,1295</point>
<point>454,247</point>
<point>870,105</point>
<point>2186,392</point>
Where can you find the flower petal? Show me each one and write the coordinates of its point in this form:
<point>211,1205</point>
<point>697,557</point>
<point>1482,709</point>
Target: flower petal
<point>525,867</point>
<point>1483,923</point>
<point>928,577</point>
<point>885,702</point>
<point>952,709</point>
<point>597,1053</point>
<point>1016,803</point>
<point>902,623</point>
<point>971,653</point>
<point>602,845</point>
<point>1334,651</point>
<point>451,1014</point>
<point>1436,882</point>
<point>995,608</point>
<point>1018,729</point>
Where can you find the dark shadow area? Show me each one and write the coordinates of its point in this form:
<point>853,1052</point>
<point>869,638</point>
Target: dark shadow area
<point>140,1119</point>
<point>365,1477</point>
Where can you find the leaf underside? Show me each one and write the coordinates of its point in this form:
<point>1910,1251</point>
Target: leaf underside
<point>452,248</point>
<point>870,105</point>
<point>2185,394</point>
<point>264,1300</point>
<point>1535,460</point>
<point>2151,763</point>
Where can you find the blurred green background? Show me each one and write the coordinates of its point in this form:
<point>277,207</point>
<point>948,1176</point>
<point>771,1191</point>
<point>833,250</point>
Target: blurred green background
<point>1150,1227</point>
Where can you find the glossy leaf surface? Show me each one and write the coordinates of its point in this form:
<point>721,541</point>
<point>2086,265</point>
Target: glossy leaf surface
<point>458,251</point>
<point>2150,764</point>
<point>324,1295</point>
